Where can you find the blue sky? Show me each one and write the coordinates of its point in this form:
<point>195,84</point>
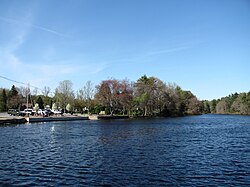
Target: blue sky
<point>201,45</point>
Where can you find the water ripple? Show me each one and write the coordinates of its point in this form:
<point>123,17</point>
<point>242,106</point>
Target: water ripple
<point>208,150</point>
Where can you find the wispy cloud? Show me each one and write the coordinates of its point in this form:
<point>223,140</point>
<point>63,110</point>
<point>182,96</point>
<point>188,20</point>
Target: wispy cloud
<point>14,21</point>
<point>146,55</point>
<point>38,74</point>
<point>170,50</point>
<point>46,73</point>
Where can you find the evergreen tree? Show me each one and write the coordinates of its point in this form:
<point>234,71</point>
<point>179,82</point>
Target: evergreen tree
<point>206,107</point>
<point>3,101</point>
<point>213,106</point>
<point>14,99</point>
<point>13,92</point>
<point>40,102</point>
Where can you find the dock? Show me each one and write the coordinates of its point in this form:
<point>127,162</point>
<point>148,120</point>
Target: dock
<point>12,121</point>
<point>111,117</point>
<point>33,119</point>
<point>61,118</point>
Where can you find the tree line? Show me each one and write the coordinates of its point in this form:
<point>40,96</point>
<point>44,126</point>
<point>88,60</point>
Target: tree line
<point>237,103</point>
<point>148,96</point>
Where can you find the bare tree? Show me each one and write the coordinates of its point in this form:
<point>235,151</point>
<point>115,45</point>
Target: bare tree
<point>126,95</point>
<point>35,91</point>
<point>106,93</point>
<point>115,95</point>
<point>221,107</point>
<point>64,93</point>
<point>46,91</point>
<point>24,91</point>
<point>89,93</point>
<point>86,95</point>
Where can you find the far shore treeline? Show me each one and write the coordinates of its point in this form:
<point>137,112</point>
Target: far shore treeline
<point>148,96</point>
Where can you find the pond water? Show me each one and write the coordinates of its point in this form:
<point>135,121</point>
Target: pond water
<point>206,150</point>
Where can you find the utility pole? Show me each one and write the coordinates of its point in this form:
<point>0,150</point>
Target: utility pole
<point>28,85</point>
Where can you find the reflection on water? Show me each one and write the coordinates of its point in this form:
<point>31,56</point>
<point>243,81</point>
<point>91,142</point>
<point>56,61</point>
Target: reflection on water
<point>52,128</point>
<point>198,150</point>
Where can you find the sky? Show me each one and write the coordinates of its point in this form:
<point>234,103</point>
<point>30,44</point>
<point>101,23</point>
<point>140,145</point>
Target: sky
<point>201,45</point>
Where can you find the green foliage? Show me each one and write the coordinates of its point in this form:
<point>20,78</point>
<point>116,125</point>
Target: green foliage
<point>64,93</point>
<point>213,106</point>
<point>97,109</point>
<point>206,107</point>
<point>14,99</point>
<point>155,98</point>
<point>3,101</point>
<point>40,103</point>
<point>13,92</point>
<point>232,104</point>
<point>148,96</point>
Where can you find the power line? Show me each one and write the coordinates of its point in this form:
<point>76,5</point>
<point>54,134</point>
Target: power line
<point>12,80</point>
<point>26,84</point>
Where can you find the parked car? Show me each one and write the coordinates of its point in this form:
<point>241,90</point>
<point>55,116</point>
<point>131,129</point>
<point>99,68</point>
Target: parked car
<point>57,112</point>
<point>44,112</point>
<point>13,112</point>
<point>40,112</point>
<point>50,112</point>
<point>27,112</point>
